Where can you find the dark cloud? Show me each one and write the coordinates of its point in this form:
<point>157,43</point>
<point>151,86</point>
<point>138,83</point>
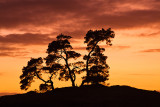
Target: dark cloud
<point>105,46</point>
<point>13,45</point>
<point>26,39</point>
<point>151,50</point>
<point>77,34</point>
<point>36,12</point>
<point>136,18</point>
<point>13,54</point>
<point>84,13</point>
<point>32,39</point>
<point>6,48</point>
<point>79,48</point>
<point>4,54</point>
<point>150,34</point>
<point>120,47</point>
<point>8,51</point>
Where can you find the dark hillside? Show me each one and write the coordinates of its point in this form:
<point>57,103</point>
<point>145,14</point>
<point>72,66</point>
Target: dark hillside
<point>86,96</point>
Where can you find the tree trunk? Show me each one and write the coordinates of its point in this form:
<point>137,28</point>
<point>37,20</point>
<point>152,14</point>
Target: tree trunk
<point>52,86</point>
<point>87,71</point>
<point>70,74</point>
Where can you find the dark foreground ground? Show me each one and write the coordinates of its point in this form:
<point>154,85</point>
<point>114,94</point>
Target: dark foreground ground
<point>87,96</point>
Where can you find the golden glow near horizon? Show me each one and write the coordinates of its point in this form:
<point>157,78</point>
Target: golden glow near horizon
<point>134,57</point>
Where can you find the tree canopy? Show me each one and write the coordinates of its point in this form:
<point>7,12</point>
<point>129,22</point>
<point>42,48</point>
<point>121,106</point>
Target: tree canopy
<point>96,67</point>
<point>60,50</point>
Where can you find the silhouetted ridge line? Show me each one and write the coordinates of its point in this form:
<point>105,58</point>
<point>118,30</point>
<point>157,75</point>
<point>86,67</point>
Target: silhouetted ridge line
<point>86,96</point>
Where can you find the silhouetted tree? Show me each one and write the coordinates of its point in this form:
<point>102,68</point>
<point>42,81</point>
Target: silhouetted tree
<point>96,67</point>
<point>61,49</point>
<point>58,62</point>
<point>34,70</point>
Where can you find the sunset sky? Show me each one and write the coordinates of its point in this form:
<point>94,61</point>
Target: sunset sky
<point>27,26</point>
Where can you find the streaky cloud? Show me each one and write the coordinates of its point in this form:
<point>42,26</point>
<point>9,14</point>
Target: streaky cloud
<point>150,50</point>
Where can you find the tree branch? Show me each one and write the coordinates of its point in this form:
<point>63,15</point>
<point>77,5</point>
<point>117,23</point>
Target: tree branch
<point>89,56</point>
<point>40,77</point>
<point>70,73</point>
<point>88,62</point>
<point>74,76</point>
<point>62,55</point>
<point>51,77</point>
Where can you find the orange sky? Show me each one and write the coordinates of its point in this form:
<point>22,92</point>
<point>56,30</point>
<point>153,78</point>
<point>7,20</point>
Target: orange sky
<point>27,26</point>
